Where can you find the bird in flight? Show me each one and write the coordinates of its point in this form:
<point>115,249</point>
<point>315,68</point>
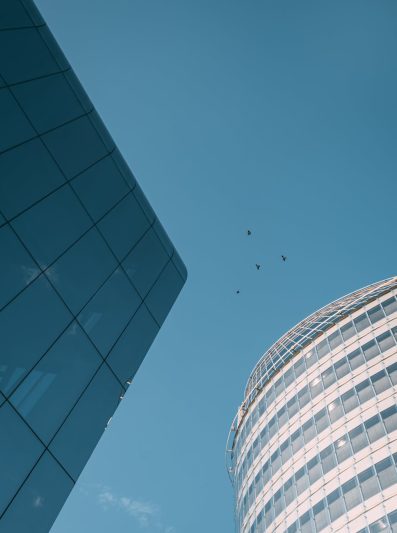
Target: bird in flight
<point>237,292</point>
<point>257,266</point>
<point>284,257</point>
<point>248,232</point>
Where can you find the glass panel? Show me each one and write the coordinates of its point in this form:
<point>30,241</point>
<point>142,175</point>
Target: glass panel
<point>81,431</point>
<point>385,341</point>
<point>335,410</point>
<point>368,483</point>
<point>124,226</point>
<point>356,359</point>
<point>328,459</point>
<point>48,102</point>
<point>351,493</point>
<point>30,57</point>
<point>102,130</point>
<point>142,200</point>
<point>389,417</point>
<point>322,348</point>
<point>16,266</point>
<point>342,449</point>
<point>370,350</point>
<point>361,322</point>
<point>335,339</point>
<point>328,377</point>
<point>40,499</point>
<point>100,187</point>
<point>392,371</point>
<point>341,368</point>
<point>13,15</point>
<point>145,262</point>
<point>349,400</point>
<point>348,331</point>
<point>301,480</point>
<point>56,382</point>
<point>378,526</point>
<point>386,472</point>
<point>108,313</point>
<point>33,11</point>
<point>336,504</point>
<point>374,428</point>
<point>82,269</point>
<point>78,90</point>
<point>321,420</point>
<point>75,146</point>
<point>17,188</point>
<point>358,438</point>
<point>52,225</point>
<point>380,381</point>
<point>19,450</point>
<point>15,128</point>
<point>364,391</point>
<point>164,292</point>
<point>314,469</point>
<point>130,349</point>
<point>180,265</point>
<point>41,316</point>
<point>321,517</point>
<point>390,306</point>
<point>375,314</point>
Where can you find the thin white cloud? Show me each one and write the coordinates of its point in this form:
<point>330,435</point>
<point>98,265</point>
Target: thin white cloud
<point>146,514</point>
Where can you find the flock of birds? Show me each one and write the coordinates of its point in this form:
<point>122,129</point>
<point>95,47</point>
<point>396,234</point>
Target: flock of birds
<point>257,265</point>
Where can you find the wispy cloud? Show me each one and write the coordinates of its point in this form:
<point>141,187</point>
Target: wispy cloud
<point>145,514</point>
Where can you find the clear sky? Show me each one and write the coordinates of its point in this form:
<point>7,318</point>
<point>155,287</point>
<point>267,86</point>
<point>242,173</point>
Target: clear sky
<point>278,116</point>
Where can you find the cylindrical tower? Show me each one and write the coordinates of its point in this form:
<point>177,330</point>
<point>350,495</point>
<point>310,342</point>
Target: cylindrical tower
<point>314,444</point>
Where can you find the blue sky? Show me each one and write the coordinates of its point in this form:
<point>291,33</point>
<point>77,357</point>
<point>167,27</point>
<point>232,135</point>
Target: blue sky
<point>277,116</point>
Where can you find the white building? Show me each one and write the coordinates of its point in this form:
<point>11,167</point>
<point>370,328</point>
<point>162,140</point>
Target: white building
<point>314,444</point>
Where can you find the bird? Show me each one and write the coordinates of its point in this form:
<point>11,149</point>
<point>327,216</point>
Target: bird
<point>237,292</point>
<point>248,232</point>
<point>257,266</point>
<point>284,257</point>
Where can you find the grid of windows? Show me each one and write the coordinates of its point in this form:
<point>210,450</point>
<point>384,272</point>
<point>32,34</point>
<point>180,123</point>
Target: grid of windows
<point>349,330</point>
<point>88,272</point>
<point>302,434</point>
<point>309,392</point>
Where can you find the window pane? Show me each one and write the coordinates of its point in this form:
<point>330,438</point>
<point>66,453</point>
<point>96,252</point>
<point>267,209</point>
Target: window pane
<point>124,226</point>
<point>335,410</point>
<point>361,322</point>
<point>328,459</point>
<point>380,381</point>
<point>385,341</point>
<point>322,348</point>
<point>370,350</point>
<point>40,499</point>
<point>145,262</point>
<point>13,15</point>
<point>56,382</point>
<point>41,316</point>
<point>348,331</point>
<point>84,426</point>
<point>336,504</point>
<point>17,166</point>
<point>364,391</point>
<point>75,146</point>
<point>15,128</point>
<point>335,339</point>
<point>16,266</point>
<point>351,494</point>
<point>30,57</point>
<point>342,449</point>
<point>389,417</point>
<point>390,306</point>
<point>19,450</point>
<point>130,349</point>
<point>52,225</point>
<point>349,400</point>
<point>368,483</point>
<point>392,371</point>
<point>374,428</point>
<point>375,314</point>
<point>100,187</point>
<point>48,102</point>
<point>341,368</point>
<point>328,377</point>
<point>386,472</point>
<point>356,359</point>
<point>358,438</point>
<point>113,305</point>
<point>82,269</point>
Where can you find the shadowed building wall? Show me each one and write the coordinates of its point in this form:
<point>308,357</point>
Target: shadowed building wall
<point>314,445</point>
<point>87,274</point>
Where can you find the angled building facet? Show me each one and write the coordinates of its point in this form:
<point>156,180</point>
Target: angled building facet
<point>87,274</point>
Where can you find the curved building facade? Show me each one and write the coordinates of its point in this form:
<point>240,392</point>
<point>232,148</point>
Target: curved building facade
<point>314,444</point>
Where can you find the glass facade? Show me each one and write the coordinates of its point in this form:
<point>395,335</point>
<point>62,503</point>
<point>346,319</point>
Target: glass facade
<point>314,447</point>
<point>87,272</point>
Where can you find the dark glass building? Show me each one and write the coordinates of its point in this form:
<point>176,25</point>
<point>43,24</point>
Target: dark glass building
<point>87,274</point>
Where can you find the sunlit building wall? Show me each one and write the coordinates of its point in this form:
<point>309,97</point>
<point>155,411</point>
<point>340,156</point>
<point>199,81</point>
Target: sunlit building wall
<point>87,274</point>
<point>314,444</point>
